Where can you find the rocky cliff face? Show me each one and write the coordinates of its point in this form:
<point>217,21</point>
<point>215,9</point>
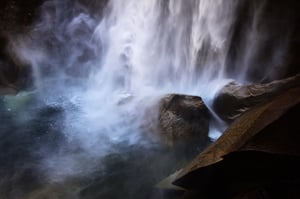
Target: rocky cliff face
<point>259,152</point>
<point>16,16</point>
<point>277,43</point>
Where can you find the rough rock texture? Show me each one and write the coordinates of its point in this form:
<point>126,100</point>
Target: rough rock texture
<point>183,119</point>
<point>260,151</point>
<point>234,99</point>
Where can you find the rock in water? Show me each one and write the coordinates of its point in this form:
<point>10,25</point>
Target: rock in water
<point>260,149</point>
<point>234,99</point>
<point>183,120</point>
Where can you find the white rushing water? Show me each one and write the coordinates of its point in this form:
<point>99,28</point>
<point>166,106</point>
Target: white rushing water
<point>112,62</point>
<point>114,65</point>
<point>149,48</point>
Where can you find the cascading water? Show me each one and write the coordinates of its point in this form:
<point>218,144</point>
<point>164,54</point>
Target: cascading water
<point>103,63</point>
<point>137,48</point>
<point>146,53</point>
<point>167,45</point>
<point>173,46</point>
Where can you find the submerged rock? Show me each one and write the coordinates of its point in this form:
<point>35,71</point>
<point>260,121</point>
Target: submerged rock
<point>183,120</point>
<point>234,98</point>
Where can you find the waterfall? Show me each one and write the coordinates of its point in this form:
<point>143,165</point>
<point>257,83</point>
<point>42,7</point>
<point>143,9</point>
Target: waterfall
<point>144,50</point>
<point>173,46</point>
<point>163,45</point>
<point>105,62</point>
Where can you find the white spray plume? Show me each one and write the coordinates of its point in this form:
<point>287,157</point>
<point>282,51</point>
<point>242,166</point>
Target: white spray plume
<point>109,66</point>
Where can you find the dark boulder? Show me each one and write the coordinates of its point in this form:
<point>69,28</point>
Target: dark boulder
<point>234,98</point>
<point>258,153</point>
<point>183,119</point>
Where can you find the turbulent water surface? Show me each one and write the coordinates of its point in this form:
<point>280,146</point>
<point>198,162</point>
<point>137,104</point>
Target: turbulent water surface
<point>97,67</point>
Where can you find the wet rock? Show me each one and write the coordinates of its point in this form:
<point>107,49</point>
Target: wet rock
<point>5,90</point>
<point>234,98</point>
<point>14,75</point>
<point>183,120</point>
<point>259,151</point>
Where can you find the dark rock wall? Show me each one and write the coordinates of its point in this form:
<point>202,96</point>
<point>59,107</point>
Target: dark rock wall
<point>16,16</point>
<point>276,25</point>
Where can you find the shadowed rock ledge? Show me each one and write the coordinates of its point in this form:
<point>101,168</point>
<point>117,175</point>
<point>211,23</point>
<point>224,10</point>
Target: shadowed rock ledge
<point>234,99</point>
<point>259,153</point>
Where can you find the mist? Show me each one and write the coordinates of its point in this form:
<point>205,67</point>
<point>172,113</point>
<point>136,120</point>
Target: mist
<point>99,66</point>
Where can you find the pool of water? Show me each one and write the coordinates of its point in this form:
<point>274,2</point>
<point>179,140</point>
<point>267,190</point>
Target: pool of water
<point>37,159</point>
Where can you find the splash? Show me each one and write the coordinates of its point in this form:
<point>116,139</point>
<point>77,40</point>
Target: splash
<point>105,62</point>
<point>145,53</point>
